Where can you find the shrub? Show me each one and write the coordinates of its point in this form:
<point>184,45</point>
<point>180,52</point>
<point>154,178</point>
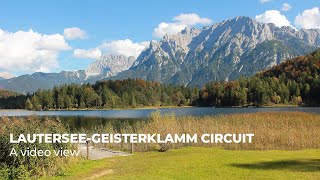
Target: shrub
<point>23,167</point>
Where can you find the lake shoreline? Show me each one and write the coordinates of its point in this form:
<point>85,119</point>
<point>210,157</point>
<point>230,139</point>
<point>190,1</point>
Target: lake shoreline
<point>145,112</point>
<point>168,107</point>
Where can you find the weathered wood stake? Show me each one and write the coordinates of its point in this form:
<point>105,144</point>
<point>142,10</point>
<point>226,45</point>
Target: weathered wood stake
<point>132,148</point>
<point>87,149</point>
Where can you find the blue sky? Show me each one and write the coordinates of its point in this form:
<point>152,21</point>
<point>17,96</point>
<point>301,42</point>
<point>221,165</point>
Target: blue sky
<point>109,21</point>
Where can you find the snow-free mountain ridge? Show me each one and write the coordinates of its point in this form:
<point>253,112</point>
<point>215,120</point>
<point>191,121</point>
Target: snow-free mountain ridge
<point>223,51</point>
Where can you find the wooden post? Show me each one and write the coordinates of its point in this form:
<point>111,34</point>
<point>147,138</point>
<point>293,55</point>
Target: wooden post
<point>132,148</point>
<point>87,149</point>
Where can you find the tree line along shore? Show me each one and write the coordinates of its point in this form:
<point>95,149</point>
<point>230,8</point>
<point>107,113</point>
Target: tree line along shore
<point>294,82</point>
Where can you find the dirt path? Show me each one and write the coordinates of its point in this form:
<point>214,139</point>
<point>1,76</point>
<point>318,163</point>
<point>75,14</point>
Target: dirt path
<point>101,174</point>
<point>99,153</point>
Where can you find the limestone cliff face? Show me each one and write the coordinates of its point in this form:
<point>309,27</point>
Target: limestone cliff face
<point>223,51</point>
<point>109,65</point>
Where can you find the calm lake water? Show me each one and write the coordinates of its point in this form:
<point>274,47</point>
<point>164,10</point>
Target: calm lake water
<point>88,119</point>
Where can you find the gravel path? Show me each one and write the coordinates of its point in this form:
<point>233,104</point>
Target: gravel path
<point>99,153</point>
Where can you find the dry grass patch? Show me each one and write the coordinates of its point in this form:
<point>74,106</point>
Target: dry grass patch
<point>273,130</point>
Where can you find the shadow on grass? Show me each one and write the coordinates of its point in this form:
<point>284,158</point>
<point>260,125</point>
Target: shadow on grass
<point>302,165</point>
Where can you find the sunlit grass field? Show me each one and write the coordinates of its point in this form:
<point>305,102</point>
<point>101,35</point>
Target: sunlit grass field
<point>286,146</point>
<point>203,163</point>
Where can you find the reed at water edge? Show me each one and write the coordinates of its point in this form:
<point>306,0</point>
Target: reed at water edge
<point>272,130</point>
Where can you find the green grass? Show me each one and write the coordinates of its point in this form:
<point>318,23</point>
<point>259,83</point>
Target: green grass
<point>203,163</point>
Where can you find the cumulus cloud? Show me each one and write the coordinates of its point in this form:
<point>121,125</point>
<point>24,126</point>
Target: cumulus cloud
<point>30,51</point>
<point>74,33</point>
<point>168,28</point>
<point>191,19</point>
<point>180,22</point>
<point>94,53</point>
<point>264,1</point>
<point>309,18</point>
<point>275,17</point>
<point>286,7</point>
<point>52,42</point>
<point>146,43</point>
<point>124,47</point>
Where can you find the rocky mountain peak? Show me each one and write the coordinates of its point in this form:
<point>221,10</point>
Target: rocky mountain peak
<point>109,65</point>
<point>6,75</point>
<point>225,50</point>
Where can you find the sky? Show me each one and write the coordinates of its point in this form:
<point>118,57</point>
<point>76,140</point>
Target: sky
<point>56,35</point>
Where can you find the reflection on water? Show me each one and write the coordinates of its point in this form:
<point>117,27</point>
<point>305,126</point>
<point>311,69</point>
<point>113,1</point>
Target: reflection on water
<point>88,119</point>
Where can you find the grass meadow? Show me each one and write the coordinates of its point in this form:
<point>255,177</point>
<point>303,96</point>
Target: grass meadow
<point>203,163</point>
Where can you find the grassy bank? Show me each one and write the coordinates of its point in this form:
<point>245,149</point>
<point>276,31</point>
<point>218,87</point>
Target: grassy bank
<point>273,130</point>
<point>203,163</point>
<point>26,167</point>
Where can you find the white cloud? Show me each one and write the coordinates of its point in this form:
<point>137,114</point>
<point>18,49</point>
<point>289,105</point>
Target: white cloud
<point>264,1</point>
<point>168,28</point>
<point>146,43</point>
<point>286,7</point>
<point>309,18</point>
<point>74,33</point>
<point>30,51</point>
<point>180,22</point>
<point>275,17</point>
<point>52,42</point>
<point>191,19</point>
<point>94,53</point>
<point>124,47</point>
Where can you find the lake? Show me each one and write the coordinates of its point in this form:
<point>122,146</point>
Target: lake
<point>88,119</point>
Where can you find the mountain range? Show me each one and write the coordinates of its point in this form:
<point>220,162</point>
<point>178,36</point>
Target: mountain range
<point>106,65</point>
<point>224,51</point>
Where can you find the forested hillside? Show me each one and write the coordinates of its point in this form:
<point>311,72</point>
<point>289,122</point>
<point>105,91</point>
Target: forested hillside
<point>112,94</point>
<point>294,81</point>
<point>9,99</point>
